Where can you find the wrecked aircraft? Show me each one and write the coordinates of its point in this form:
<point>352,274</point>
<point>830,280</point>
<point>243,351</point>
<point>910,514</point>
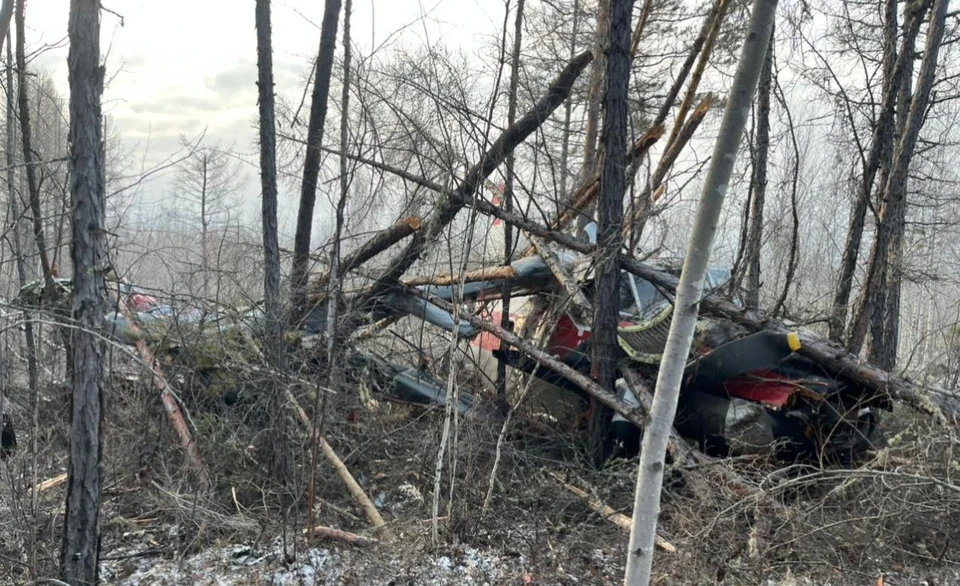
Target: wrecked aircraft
<point>742,393</point>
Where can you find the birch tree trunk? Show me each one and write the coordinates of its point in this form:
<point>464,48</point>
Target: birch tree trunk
<point>646,506</point>
<point>311,164</point>
<point>88,251</point>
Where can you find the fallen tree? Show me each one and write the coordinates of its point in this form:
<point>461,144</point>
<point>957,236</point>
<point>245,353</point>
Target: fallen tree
<point>943,405</point>
<point>449,206</point>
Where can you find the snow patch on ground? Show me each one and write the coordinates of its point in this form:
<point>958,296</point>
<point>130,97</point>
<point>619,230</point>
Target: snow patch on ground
<point>238,564</point>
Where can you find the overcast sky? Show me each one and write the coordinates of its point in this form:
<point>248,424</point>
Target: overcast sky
<point>178,66</point>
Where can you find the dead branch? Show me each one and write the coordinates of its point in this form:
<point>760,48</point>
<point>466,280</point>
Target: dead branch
<point>51,483</point>
<point>608,512</point>
<point>448,208</point>
<point>361,498</point>
<point>170,404</point>
<point>324,532</point>
<point>587,193</point>
<point>378,243</point>
<point>583,310</point>
<point>639,209</point>
<point>484,274</point>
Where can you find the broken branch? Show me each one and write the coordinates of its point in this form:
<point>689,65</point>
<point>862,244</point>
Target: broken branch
<point>379,525</point>
<point>324,532</point>
<point>170,404</point>
<point>484,274</point>
<point>608,512</point>
<point>448,208</point>
<point>582,307</point>
<point>378,243</point>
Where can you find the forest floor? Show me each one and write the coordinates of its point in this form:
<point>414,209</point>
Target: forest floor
<point>897,517</point>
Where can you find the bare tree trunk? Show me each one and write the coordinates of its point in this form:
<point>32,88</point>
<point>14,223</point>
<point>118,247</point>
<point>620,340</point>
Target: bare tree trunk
<point>595,90</point>
<point>568,110</point>
<point>268,171</point>
<point>311,164</point>
<point>884,125</point>
<point>594,96</point>
<point>273,305</point>
<point>794,212</point>
<point>23,99</point>
<point>875,319</point>
<point>610,216</point>
<point>333,288</point>
<point>885,321</point>
<point>508,190</point>
<point>204,227</point>
<point>755,234</point>
<point>656,435</point>
<point>88,251</point>
<point>892,215</point>
<point>33,371</point>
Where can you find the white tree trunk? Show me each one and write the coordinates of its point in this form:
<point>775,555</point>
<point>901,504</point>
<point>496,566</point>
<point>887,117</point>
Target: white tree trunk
<point>646,507</point>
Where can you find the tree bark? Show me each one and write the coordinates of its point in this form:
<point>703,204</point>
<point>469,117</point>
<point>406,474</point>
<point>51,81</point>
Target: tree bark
<point>508,189</point>
<point>268,170</point>
<point>851,251</point>
<point>794,211</point>
<point>568,109</point>
<point>755,234</point>
<point>610,215</point>
<point>311,164</point>
<point>657,433</point>
<point>33,374</point>
<point>892,214</point>
<point>886,336</point>
<point>595,90</point>
<point>26,141</point>
<point>88,252</point>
